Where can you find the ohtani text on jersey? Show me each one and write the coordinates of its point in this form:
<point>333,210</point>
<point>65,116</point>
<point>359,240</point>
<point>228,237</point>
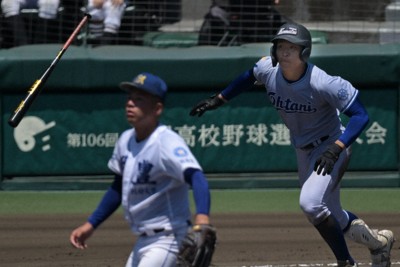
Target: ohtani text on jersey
<point>289,106</point>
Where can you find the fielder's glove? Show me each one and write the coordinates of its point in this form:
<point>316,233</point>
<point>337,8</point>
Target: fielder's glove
<point>210,103</point>
<point>328,159</point>
<point>198,246</point>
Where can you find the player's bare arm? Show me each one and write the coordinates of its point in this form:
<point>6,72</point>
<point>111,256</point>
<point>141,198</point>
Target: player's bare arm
<point>202,219</point>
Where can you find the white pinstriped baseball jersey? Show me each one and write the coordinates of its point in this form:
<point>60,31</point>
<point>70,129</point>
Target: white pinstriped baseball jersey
<point>155,194</point>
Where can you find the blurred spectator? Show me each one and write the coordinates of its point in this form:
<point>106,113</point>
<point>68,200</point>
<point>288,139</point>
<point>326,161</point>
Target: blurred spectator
<point>15,25</point>
<point>255,20</point>
<point>216,29</point>
<point>233,22</point>
<point>106,20</point>
<point>143,16</point>
<point>71,15</point>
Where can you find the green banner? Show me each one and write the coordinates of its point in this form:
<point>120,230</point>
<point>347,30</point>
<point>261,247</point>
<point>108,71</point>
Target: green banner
<point>247,135</point>
<point>74,134</point>
<point>63,134</point>
<point>377,147</point>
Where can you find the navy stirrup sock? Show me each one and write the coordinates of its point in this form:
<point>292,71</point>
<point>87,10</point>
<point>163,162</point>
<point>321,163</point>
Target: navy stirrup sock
<point>330,230</point>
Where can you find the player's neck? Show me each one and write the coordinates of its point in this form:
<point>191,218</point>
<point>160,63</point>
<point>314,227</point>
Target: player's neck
<point>143,132</point>
<point>294,74</point>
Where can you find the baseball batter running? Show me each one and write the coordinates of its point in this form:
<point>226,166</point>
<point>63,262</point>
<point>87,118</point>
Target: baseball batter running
<point>308,101</point>
<point>154,169</point>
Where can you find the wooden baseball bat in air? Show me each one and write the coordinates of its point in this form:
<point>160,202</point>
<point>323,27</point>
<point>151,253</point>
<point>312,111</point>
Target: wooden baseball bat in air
<point>37,86</point>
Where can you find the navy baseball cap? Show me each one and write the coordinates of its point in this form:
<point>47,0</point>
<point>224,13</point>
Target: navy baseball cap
<point>147,82</point>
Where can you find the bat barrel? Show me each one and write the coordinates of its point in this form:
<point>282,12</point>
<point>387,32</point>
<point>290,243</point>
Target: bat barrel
<point>16,118</point>
<point>20,111</point>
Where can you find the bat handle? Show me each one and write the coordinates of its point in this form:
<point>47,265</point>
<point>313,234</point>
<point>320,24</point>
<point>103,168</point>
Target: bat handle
<point>76,31</point>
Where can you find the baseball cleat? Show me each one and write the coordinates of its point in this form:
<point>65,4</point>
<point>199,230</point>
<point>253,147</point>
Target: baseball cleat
<point>346,264</point>
<point>381,257</point>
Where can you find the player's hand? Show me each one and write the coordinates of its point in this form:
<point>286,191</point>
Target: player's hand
<point>210,103</point>
<point>79,236</point>
<point>328,159</point>
<point>98,3</point>
<point>117,2</point>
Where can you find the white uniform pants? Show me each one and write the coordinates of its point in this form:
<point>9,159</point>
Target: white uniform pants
<point>109,16</point>
<point>320,195</point>
<point>47,8</point>
<point>158,250</point>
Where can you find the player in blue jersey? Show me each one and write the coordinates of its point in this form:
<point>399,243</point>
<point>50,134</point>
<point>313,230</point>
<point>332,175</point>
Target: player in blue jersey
<point>308,101</point>
<point>154,170</point>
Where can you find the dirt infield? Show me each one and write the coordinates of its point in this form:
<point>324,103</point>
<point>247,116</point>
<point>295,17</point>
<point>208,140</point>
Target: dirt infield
<point>244,240</point>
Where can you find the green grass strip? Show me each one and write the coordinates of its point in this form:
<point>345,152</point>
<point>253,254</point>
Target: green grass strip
<point>223,201</point>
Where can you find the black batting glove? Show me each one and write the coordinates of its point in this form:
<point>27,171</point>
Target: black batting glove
<point>328,159</point>
<point>210,103</point>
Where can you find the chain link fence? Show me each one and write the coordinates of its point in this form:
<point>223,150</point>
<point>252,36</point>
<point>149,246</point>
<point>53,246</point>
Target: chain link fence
<point>217,22</point>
